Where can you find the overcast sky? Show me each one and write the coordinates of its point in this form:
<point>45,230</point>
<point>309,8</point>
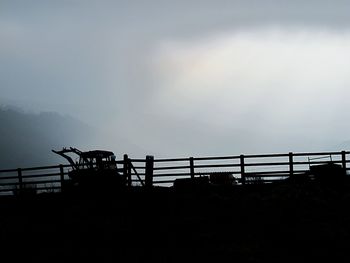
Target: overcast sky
<point>180,78</point>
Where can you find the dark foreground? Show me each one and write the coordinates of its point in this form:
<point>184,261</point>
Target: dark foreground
<point>257,223</point>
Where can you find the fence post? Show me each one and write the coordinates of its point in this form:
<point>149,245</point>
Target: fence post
<point>191,167</point>
<point>129,172</point>
<point>149,171</point>
<point>343,160</point>
<point>20,179</point>
<point>61,177</point>
<point>241,157</point>
<point>291,163</point>
<point>125,167</point>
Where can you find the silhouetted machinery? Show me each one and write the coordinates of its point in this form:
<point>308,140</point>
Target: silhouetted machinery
<point>222,178</point>
<point>94,170</point>
<point>328,173</point>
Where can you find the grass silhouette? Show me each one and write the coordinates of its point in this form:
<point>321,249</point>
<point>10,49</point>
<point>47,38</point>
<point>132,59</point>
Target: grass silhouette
<point>252,223</point>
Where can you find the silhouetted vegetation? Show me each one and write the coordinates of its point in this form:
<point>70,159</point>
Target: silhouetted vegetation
<point>252,223</point>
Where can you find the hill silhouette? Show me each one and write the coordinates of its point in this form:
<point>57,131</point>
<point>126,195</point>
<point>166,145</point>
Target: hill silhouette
<point>27,138</point>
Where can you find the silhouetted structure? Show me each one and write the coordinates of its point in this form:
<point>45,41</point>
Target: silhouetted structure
<point>94,170</point>
<point>222,178</point>
<point>328,173</point>
<point>98,170</point>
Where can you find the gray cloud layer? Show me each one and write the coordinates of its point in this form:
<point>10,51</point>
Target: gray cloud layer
<point>99,61</point>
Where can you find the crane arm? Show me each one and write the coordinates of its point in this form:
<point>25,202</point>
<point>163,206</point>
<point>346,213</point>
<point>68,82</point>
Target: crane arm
<point>67,157</point>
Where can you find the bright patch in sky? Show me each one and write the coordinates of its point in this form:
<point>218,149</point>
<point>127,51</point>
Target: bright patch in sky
<point>278,81</point>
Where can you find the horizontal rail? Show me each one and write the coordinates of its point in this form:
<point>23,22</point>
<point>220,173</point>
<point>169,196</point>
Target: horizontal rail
<point>216,158</point>
<point>41,182</point>
<point>267,164</point>
<point>317,162</point>
<point>319,153</point>
<point>9,171</point>
<point>266,155</point>
<point>137,160</point>
<point>9,177</point>
<point>171,168</point>
<point>216,165</point>
<point>172,174</point>
<point>213,172</point>
<point>171,160</point>
<point>41,175</point>
<point>45,167</point>
<point>133,173</point>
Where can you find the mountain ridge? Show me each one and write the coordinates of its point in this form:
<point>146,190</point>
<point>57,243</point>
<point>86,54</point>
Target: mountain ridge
<point>27,138</point>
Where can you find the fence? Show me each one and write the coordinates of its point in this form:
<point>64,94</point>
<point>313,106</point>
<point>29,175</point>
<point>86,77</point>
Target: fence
<point>149,172</point>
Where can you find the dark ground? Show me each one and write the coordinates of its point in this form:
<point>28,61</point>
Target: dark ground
<point>255,223</point>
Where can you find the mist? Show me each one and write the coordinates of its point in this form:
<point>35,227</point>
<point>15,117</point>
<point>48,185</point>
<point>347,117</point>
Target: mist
<point>28,138</point>
<point>183,78</point>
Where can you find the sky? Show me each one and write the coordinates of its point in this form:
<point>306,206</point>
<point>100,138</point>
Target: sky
<point>184,78</point>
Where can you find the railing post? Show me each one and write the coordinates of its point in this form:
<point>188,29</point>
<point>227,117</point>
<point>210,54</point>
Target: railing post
<point>149,171</point>
<point>291,163</point>
<point>61,177</point>
<point>343,160</point>
<point>129,173</point>
<point>20,179</point>
<point>241,157</point>
<point>125,168</point>
<point>191,167</point>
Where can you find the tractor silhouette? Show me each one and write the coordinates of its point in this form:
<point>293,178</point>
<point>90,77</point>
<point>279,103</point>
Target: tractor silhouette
<point>94,171</point>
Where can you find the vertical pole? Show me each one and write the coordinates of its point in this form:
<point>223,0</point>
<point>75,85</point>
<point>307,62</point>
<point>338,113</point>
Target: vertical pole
<point>62,177</point>
<point>149,171</point>
<point>291,162</point>
<point>343,160</point>
<point>20,179</point>
<point>129,172</point>
<point>191,167</point>
<point>125,167</point>
<point>242,169</point>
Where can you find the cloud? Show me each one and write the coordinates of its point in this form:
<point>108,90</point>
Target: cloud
<point>196,76</point>
<point>285,85</point>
